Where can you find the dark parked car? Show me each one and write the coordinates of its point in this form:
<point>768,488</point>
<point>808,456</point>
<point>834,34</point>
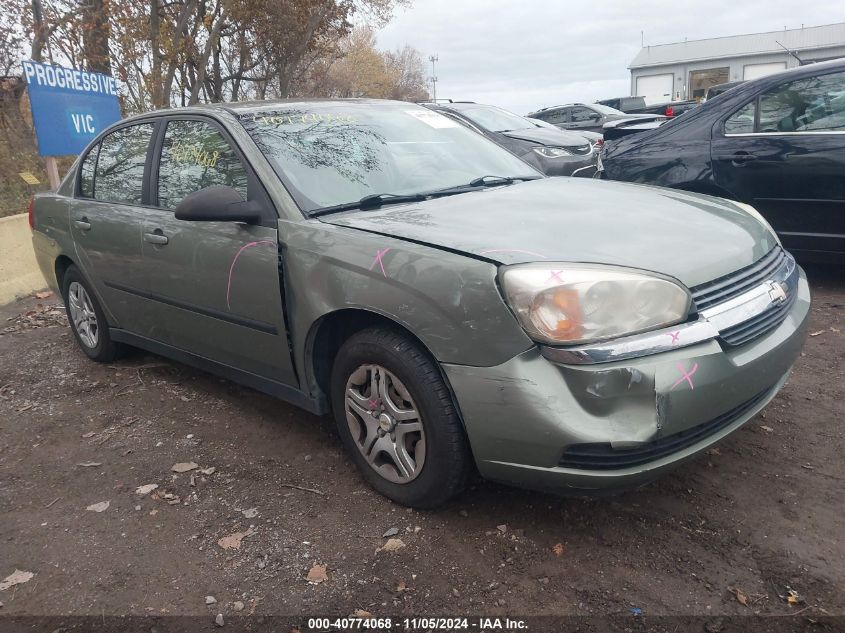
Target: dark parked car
<point>637,105</point>
<point>551,150</point>
<point>777,143</point>
<point>580,117</point>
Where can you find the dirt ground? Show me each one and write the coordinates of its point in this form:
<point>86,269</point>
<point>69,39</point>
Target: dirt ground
<point>732,533</point>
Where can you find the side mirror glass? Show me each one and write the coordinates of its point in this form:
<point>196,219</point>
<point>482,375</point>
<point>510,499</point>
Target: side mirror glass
<point>217,204</point>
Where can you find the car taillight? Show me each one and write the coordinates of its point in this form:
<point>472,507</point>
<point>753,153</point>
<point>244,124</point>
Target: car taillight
<point>599,143</point>
<point>670,111</point>
<point>31,216</point>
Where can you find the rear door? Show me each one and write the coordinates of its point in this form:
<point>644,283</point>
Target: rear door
<point>784,152</point>
<point>106,217</point>
<point>215,285</point>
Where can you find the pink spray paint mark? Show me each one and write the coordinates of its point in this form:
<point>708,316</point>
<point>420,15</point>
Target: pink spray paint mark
<point>556,276</point>
<point>675,336</point>
<point>686,375</point>
<point>377,260</point>
<point>512,250</point>
<point>232,267</point>
<point>373,404</point>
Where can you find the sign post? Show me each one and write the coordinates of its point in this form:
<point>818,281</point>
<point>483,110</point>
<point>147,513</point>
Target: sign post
<point>69,108</point>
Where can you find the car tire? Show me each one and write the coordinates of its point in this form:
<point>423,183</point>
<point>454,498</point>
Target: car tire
<point>87,320</point>
<point>379,372</point>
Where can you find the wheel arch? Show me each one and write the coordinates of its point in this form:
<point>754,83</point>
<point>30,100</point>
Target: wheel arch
<point>63,262</point>
<point>328,333</point>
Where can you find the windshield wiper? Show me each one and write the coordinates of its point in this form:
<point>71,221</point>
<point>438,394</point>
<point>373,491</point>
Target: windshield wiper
<point>376,200</point>
<point>373,201</point>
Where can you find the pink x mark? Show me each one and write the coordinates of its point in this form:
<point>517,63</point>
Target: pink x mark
<point>373,404</point>
<point>686,375</point>
<point>675,336</point>
<point>555,275</point>
<point>379,254</point>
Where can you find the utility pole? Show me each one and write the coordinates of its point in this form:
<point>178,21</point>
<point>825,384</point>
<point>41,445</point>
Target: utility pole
<point>433,59</point>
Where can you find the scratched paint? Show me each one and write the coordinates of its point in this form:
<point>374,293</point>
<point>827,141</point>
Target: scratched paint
<point>685,375</point>
<point>378,260</point>
<point>232,267</point>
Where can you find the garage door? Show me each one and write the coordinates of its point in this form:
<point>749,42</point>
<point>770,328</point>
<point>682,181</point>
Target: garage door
<point>753,71</point>
<point>655,88</point>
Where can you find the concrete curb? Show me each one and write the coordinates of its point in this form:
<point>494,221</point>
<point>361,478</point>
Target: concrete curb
<point>19,271</point>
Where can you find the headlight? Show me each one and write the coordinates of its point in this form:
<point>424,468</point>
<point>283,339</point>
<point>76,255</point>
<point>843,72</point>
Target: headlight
<point>552,152</point>
<point>579,304</point>
<point>756,215</point>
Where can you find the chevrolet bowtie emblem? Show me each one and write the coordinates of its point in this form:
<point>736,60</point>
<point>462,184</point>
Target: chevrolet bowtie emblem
<point>777,292</point>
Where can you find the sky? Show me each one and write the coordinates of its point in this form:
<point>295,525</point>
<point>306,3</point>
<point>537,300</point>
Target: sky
<point>529,54</point>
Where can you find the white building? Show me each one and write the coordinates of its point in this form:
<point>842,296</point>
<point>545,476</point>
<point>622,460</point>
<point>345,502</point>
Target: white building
<point>685,70</point>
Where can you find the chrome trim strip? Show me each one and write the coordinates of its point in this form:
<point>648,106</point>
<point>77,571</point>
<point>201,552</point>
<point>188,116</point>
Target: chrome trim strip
<point>708,326</point>
<point>805,133</point>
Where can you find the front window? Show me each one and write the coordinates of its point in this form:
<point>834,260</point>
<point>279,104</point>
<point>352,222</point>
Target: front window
<point>582,115</point>
<point>337,153</point>
<point>119,175</point>
<point>495,119</point>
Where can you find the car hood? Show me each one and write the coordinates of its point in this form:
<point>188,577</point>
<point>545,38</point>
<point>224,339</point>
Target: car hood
<point>693,238</point>
<point>548,137</point>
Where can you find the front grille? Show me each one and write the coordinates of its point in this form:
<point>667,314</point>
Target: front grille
<point>729,286</point>
<point>760,324</point>
<point>602,456</point>
<point>581,150</point>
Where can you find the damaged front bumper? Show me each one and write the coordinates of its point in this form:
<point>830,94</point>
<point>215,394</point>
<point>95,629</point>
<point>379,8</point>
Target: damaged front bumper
<point>544,424</point>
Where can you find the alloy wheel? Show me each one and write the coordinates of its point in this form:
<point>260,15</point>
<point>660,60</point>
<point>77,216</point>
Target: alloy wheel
<point>82,315</point>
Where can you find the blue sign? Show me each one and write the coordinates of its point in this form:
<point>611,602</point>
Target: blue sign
<point>69,107</point>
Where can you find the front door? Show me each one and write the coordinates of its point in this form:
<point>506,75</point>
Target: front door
<point>783,153</point>
<point>215,285</point>
<point>106,216</point>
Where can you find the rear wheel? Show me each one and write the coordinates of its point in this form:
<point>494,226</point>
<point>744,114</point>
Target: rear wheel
<point>87,319</point>
<point>397,419</point>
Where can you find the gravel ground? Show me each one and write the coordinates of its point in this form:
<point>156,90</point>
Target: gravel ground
<point>268,497</point>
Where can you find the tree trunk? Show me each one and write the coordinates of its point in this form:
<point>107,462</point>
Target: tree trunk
<point>95,36</point>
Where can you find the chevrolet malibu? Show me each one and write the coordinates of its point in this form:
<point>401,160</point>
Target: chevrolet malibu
<point>451,307</point>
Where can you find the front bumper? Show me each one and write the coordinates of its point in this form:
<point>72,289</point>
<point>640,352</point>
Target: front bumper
<point>523,415</point>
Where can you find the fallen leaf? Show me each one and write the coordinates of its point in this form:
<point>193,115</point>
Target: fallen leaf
<point>391,532</point>
<point>145,489</point>
<point>99,507</point>
<point>17,577</point>
<point>88,434</point>
<point>208,471</point>
<point>559,549</point>
<point>360,613</point>
<point>44,295</point>
<point>502,528</point>
<point>89,464</point>
<point>251,513</point>
<point>392,545</point>
<point>233,541</point>
<point>317,574</point>
<point>816,333</point>
<point>740,596</point>
<point>183,467</point>
<point>767,429</point>
<point>792,597</point>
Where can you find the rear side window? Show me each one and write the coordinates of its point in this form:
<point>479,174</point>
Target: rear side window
<point>86,172</point>
<point>119,174</point>
<point>195,155</point>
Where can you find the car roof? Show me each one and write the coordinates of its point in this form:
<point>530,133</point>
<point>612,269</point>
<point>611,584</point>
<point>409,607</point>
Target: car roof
<point>241,107</point>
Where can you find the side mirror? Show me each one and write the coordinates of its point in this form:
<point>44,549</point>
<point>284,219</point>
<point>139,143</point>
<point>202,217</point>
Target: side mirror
<point>217,204</point>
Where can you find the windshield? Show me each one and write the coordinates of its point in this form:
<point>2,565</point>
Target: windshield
<point>598,107</point>
<point>495,119</point>
<point>336,152</point>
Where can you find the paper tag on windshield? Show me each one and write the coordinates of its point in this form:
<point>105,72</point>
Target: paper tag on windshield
<point>434,119</point>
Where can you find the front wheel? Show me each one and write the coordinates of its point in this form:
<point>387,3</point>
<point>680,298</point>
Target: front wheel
<point>397,419</point>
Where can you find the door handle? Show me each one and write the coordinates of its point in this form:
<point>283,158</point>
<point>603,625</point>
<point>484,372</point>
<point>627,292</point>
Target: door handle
<point>740,158</point>
<point>83,224</point>
<point>156,238</point>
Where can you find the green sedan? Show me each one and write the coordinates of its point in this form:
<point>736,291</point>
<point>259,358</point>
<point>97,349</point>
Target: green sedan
<point>453,309</point>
